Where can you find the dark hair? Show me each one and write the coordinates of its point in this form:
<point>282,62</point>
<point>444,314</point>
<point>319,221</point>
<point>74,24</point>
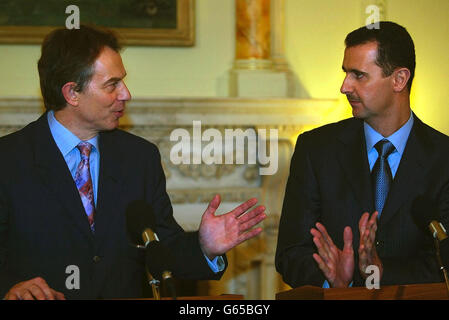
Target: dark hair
<point>395,46</point>
<point>69,55</point>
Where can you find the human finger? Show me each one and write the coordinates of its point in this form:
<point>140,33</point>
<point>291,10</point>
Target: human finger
<point>363,222</point>
<point>323,266</point>
<point>25,294</point>
<point>347,239</point>
<point>11,296</point>
<point>213,205</point>
<point>370,232</point>
<point>243,207</point>
<point>321,245</point>
<point>251,223</point>
<point>326,236</point>
<point>363,258</point>
<point>44,287</point>
<point>58,295</point>
<point>37,292</point>
<point>243,218</point>
<point>372,220</point>
<point>248,235</point>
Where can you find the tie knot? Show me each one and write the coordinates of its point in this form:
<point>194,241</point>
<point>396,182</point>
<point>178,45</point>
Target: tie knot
<point>84,148</point>
<point>384,148</point>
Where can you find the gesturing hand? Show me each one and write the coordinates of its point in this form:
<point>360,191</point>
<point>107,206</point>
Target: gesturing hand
<point>337,265</point>
<point>367,249</point>
<point>218,234</point>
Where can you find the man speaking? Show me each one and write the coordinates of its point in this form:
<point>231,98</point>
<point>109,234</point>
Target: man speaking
<point>68,178</point>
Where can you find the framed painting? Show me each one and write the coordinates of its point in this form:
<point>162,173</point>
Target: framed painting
<point>137,22</point>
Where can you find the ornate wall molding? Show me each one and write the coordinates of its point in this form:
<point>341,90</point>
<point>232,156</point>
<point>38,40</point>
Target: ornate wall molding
<point>182,111</point>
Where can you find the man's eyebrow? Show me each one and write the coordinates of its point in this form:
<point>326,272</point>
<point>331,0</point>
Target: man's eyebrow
<point>114,79</point>
<point>356,71</point>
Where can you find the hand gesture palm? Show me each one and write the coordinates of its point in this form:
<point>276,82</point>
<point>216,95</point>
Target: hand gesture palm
<point>337,265</point>
<point>218,234</point>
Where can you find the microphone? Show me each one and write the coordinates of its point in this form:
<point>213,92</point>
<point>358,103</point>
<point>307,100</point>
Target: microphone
<point>140,223</point>
<point>159,262</point>
<point>426,216</point>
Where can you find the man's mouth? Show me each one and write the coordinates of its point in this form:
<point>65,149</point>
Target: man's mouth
<point>353,101</point>
<point>119,113</point>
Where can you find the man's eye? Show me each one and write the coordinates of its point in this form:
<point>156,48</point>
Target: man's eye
<point>112,85</point>
<point>358,75</point>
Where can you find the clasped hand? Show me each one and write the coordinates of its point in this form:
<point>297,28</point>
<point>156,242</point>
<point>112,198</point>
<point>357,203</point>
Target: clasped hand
<point>338,265</point>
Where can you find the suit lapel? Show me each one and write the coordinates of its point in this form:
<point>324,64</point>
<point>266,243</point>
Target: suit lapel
<point>52,169</point>
<point>412,169</point>
<point>109,186</point>
<point>354,161</point>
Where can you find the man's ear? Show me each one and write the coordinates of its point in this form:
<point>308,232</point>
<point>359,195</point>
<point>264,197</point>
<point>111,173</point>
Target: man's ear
<point>400,79</point>
<point>70,94</point>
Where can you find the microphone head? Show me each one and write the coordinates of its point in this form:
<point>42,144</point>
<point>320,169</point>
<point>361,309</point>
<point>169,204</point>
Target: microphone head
<point>424,211</point>
<point>158,259</point>
<point>139,216</point>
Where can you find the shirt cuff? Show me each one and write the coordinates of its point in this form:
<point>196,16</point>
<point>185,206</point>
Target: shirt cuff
<point>326,285</point>
<point>216,265</point>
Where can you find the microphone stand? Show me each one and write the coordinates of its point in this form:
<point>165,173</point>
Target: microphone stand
<point>440,262</point>
<point>169,283</point>
<point>154,283</point>
<point>154,286</point>
<point>147,238</point>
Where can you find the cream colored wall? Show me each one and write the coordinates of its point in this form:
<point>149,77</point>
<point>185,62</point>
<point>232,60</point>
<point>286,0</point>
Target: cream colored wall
<point>196,71</point>
<point>428,23</point>
<point>152,71</point>
<point>314,36</point>
<point>315,32</point>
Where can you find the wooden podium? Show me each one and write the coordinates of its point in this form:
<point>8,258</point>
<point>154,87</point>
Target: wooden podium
<point>218,297</point>
<point>431,291</point>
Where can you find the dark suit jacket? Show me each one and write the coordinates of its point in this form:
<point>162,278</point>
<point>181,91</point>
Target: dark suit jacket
<point>44,229</point>
<point>330,182</point>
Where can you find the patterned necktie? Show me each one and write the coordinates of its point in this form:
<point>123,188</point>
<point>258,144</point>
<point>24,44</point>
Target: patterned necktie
<point>83,182</point>
<point>381,174</point>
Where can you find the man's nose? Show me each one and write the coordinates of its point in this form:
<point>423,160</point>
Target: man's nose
<point>346,86</point>
<point>124,95</point>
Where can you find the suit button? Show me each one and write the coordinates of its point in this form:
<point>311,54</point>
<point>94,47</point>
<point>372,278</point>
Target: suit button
<point>379,244</point>
<point>96,259</point>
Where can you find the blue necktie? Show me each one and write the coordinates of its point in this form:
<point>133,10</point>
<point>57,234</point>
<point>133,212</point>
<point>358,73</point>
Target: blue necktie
<point>381,174</point>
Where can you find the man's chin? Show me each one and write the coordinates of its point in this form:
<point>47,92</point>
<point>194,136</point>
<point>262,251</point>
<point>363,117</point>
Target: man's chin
<point>111,125</point>
<point>358,113</point>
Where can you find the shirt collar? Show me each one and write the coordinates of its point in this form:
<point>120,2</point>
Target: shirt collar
<point>398,138</point>
<point>64,138</point>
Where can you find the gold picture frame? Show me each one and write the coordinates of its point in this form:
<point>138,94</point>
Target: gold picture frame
<point>182,35</point>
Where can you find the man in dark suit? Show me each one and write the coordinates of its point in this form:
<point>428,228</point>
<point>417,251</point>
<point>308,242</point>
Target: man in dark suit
<point>378,162</point>
<point>68,178</point>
